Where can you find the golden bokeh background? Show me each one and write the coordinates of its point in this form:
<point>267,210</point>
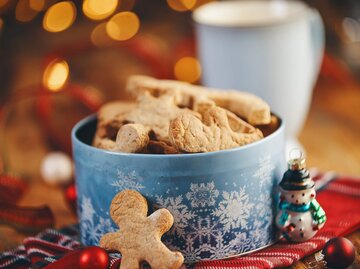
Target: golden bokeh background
<point>99,9</point>
<point>56,74</point>
<point>113,21</point>
<point>123,26</point>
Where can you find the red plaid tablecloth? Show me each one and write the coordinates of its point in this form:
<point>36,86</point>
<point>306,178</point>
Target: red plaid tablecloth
<point>340,198</point>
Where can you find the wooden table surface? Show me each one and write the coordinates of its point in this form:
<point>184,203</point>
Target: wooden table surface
<point>331,137</point>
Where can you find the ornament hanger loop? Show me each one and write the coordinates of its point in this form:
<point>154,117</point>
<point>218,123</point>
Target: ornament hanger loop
<point>295,154</point>
<point>297,160</point>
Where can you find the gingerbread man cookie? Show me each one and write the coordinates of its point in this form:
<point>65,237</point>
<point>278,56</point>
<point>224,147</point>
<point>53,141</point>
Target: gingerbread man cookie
<point>139,237</point>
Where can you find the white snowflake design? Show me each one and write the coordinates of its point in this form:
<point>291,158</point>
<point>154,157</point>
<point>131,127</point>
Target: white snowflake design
<point>91,232</point>
<point>181,213</point>
<point>262,210</point>
<point>216,249</point>
<point>202,195</point>
<point>265,171</point>
<point>234,210</point>
<point>87,210</point>
<point>187,249</point>
<point>130,181</point>
<point>205,231</point>
<point>261,227</point>
<point>240,244</point>
<point>259,234</point>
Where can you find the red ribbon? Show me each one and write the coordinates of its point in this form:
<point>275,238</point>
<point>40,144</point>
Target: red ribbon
<point>23,219</point>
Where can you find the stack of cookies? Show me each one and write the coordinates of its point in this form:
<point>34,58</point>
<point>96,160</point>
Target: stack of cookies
<point>171,117</point>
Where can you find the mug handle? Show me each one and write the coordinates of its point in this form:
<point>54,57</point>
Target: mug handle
<point>317,33</point>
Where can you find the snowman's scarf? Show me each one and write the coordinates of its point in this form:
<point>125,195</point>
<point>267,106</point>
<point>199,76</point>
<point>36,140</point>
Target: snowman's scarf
<point>317,212</point>
<point>284,205</point>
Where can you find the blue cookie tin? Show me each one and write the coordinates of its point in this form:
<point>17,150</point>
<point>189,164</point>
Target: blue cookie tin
<point>223,202</point>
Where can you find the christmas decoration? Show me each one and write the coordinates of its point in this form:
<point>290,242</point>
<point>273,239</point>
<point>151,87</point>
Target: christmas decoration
<point>90,257</point>
<point>339,252</point>
<point>300,215</point>
<point>69,260</point>
<point>56,168</point>
<point>70,196</point>
<point>93,258</point>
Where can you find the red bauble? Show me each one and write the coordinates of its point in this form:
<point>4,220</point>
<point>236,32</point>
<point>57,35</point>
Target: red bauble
<point>93,258</point>
<point>339,252</point>
<point>70,196</point>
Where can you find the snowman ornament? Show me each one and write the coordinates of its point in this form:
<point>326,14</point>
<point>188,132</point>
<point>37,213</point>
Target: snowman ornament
<point>300,216</point>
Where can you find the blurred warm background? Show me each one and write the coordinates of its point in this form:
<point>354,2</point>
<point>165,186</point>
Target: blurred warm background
<point>79,54</point>
<point>60,60</point>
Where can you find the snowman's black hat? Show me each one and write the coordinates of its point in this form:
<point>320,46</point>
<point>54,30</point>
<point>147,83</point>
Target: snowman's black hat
<point>297,177</point>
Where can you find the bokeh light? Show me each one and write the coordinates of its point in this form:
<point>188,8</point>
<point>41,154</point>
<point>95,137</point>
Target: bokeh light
<point>59,17</point>
<point>37,5</point>
<point>3,3</point>
<point>55,75</point>
<point>351,28</point>
<point>176,5</point>
<point>1,23</point>
<point>99,9</point>
<point>181,5</point>
<point>189,4</point>
<point>123,26</point>
<point>187,69</point>
<point>23,11</point>
<point>99,37</point>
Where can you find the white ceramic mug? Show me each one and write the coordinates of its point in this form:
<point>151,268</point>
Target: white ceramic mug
<point>270,48</point>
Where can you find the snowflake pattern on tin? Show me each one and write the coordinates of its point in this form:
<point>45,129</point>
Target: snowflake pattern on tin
<point>87,209</point>
<point>234,210</point>
<point>213,219</point>
<point>261,207</point>
<point>210,243</point>
<point>92,226</point>
<point>239,244</point>
<point>265,172</point>
<point>263,225</point>
<point>131,181</point>
<point>181,213</point>
<point>203,194</point>
<point>205,231</point>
